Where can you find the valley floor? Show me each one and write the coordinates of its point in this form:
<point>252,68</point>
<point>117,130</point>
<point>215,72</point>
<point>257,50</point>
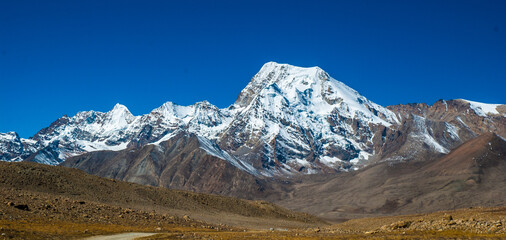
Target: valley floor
<point>476,223</point>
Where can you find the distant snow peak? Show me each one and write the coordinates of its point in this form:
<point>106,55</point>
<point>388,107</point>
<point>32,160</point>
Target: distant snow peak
<point>167,110</point>
<point>118,118</point>
<point>9,136</point>
<point>120,112</point>
<point>119,107</point>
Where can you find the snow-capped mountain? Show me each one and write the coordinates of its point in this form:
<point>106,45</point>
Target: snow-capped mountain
<point>287,120</point>
<point>292,119</point>
<point>118,129</point>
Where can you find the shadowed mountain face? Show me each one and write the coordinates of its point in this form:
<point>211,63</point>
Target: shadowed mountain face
<point>179,163</point>
<point>471,175</point>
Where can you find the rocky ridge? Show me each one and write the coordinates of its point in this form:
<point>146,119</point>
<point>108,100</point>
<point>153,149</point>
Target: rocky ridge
<point>469,176</point>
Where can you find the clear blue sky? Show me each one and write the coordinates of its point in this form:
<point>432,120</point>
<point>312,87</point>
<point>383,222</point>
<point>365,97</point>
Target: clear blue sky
<point>61,57</point>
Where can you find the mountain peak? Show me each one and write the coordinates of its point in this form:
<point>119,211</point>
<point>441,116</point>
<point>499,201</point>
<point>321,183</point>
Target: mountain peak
<point>269,66</point>
<point>203,103</point>
<point>270,69</point>
<point>278,74</point>
<point>166,107</point>
<point>309,89</point>
<point>119,108</point>
<point>119,116</point>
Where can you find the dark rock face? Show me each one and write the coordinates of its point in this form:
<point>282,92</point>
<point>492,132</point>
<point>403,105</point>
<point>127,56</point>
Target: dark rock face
<point>54,126</point>
<point>426,131</point>
<point>458,113</point>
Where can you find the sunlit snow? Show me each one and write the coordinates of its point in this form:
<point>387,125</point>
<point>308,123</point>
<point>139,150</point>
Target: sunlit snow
<point>483,109</point>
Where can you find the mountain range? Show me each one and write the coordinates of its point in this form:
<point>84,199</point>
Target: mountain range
<point>287,122</point>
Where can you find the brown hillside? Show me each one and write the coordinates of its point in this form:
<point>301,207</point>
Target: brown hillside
<point>64,189</point>
<point>484,151</point>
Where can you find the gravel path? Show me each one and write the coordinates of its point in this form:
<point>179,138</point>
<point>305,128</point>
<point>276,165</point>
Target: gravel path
<point>121,236</point>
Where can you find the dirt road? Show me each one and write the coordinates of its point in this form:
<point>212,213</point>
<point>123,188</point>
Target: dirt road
<point>121,236</point>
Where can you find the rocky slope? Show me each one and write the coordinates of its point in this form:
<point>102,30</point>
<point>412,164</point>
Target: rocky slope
<point>287,120</point>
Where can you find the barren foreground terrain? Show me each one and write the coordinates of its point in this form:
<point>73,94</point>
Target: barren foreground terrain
<point>44,202</point>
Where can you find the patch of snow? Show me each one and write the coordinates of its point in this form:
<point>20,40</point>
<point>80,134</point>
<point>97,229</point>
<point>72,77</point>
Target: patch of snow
<point>300,162</point>
<point>214,150</point>
<point>462,122</point>
<point>167,136</point>
<point>17,159</point>
<point>429,140</point>
<point>28,141</point>
<point>423,134</point>
<point>100,146</point>
<point>482,109</point>
<point>362,156</point>
<point>394,159</point>
<point>452,130</point>
<point>329,161</point>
